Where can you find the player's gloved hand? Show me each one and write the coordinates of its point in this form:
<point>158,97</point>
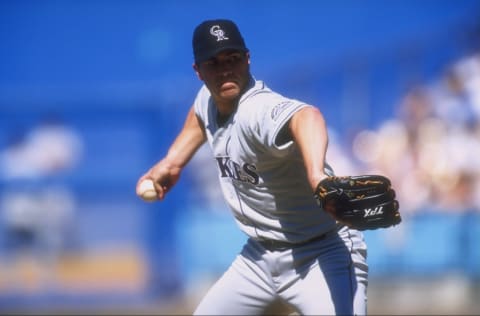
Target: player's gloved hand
<point>360,202</point>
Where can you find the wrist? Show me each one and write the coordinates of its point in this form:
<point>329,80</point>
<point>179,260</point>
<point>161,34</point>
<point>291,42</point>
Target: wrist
<point>170,162</point>
<point>314,181</point>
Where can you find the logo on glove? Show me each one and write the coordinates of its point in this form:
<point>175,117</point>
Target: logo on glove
<point>372,212</point>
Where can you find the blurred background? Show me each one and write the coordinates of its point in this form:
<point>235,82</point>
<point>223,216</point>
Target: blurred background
<point>93,92</point>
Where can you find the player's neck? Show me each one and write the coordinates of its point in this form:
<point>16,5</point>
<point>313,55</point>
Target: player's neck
<point>222,119</point>
<point>224,111</point>
<point>226,107</point>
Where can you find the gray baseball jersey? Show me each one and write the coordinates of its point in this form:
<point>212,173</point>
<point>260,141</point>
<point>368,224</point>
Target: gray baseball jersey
<point>263,179</point>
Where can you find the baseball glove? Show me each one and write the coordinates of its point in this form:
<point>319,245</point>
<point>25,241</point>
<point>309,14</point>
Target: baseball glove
<point>360,202</point>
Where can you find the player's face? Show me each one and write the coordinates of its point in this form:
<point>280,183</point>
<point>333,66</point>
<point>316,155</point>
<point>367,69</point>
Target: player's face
<point>226,75</point>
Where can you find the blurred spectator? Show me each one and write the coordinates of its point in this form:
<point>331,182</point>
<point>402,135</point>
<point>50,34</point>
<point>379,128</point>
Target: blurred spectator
<point>48,148</point>
<point>454,97</point>
<point>36,205</point>
<point>431,149</point>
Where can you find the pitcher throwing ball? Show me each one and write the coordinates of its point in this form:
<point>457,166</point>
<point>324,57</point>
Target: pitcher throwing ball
<point>305,243</point>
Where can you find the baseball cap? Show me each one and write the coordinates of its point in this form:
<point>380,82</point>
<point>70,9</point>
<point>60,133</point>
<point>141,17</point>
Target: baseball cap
<point>214,36</point>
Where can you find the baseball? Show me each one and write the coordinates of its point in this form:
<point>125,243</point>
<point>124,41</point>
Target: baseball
<point>147,190</point>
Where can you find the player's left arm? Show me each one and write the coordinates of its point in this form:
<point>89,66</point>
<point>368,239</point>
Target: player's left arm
<point>308,130</point>
<point>360,202</point>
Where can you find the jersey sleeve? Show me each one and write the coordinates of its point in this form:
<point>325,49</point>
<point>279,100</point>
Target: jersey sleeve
<point>272,115</point>
<point>200,105</point>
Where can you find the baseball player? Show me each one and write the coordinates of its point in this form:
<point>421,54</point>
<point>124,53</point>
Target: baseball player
<point>270,153</point>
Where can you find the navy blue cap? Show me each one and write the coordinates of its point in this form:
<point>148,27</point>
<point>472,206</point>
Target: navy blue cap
<point>214,36</point>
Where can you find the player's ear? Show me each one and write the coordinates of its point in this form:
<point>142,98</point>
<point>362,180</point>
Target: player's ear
<point>197,71</point>
<point>247,55</point>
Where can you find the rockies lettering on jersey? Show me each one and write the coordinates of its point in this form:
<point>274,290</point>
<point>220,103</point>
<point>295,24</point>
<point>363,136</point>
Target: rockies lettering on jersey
<point>231,169</point>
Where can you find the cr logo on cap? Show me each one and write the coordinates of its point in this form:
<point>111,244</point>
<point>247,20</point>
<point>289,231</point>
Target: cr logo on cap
<point>218,32</point>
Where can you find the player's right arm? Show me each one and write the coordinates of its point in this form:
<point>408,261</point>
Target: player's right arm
<point>166,172</point>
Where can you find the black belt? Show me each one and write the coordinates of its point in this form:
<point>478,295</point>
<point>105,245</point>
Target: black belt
<point>271,244</point>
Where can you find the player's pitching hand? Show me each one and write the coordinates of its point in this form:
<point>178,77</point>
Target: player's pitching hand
<point>154,184</point>
<point>146,190</point>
